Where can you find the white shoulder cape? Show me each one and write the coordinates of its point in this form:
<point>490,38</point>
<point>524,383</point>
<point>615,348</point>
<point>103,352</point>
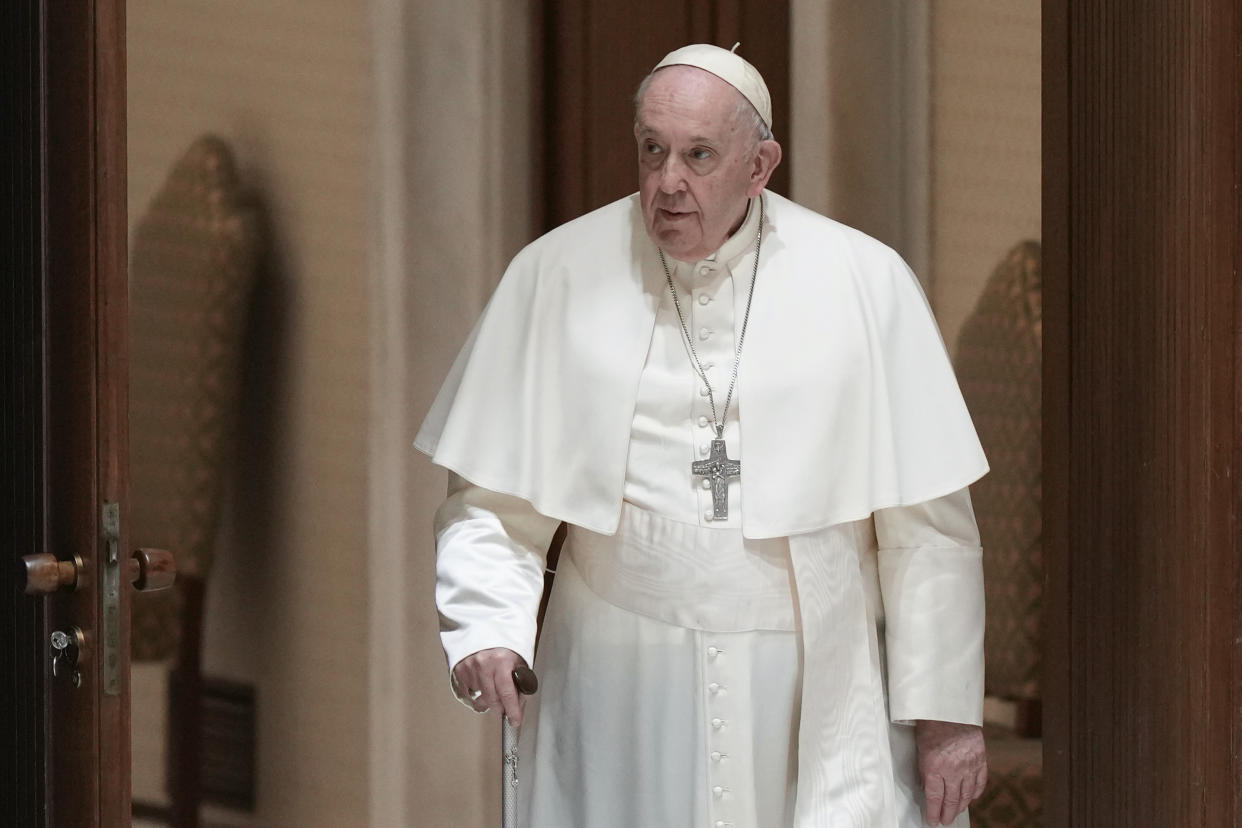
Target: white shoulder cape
<point>847,402</point>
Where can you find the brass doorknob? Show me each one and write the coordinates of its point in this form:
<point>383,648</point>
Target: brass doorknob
<point>149,570</point>
<point>45,574</point>
<point>152,569</point>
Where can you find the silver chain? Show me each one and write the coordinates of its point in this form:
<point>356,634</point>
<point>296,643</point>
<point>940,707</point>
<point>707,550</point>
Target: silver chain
<point>718,421</point>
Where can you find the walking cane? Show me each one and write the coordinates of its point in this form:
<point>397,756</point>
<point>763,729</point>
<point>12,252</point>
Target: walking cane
<point>525,681</point>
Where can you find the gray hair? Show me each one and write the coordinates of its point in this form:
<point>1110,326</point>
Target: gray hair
<point>744,113</point>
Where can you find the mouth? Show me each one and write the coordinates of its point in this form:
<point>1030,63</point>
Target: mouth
<point>671,215</point>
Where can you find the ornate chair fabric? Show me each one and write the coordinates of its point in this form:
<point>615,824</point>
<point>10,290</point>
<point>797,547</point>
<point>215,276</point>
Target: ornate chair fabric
<point>193,265</point>
<point>998,366</point>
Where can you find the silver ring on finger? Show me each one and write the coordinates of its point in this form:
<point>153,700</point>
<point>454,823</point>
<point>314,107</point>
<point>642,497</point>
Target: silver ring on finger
<point>474,694</point>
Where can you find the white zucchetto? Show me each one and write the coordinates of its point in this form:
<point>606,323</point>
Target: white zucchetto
<point>730,67</point>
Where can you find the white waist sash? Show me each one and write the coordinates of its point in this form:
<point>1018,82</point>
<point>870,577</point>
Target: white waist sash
<point>688,575</point>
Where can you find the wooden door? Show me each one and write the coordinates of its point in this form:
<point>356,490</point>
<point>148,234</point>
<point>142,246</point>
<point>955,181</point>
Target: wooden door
<point>22,622</point>
<point>1143,393</point>
<point>67,444</point>
<point>597,51</point>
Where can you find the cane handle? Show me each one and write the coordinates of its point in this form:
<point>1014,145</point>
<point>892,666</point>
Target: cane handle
<point>525,680</point>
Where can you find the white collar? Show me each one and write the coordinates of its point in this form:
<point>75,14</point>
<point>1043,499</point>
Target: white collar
<point>733,248</point>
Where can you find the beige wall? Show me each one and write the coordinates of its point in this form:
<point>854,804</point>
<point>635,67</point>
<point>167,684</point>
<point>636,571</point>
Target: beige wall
<point>455,166</point>
<point>287,83</point>
<point>391,141</point>
<point>985,192</point>
<point>859,125</point>
<point>920,124</point>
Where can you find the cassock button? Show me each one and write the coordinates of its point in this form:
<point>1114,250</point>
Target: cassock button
<point>705,334</point>
<point>713,687</point>
<point>718,791</point>
<point>704,298</point>
<point>704,270</point>
<point>718,723</point>
<point>703,392</point>
<point>717,756</point>
<point>709,515</point>
<point>707,483</point>
<point>712,652</point>
<point>702,422</point>
<point>704,449</point>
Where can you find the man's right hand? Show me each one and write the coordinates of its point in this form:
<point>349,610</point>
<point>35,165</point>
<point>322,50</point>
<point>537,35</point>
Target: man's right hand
<point>490,673</point>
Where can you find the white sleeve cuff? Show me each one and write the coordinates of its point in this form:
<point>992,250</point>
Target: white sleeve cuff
<point>931,583</point>
<point>933,604</point>
<point>491,551</point>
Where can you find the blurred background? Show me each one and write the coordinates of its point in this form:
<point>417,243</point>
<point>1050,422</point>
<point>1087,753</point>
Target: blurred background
<point>371,168</point>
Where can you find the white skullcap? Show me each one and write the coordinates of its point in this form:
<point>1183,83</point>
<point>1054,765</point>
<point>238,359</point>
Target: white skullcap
<point>730,68</point>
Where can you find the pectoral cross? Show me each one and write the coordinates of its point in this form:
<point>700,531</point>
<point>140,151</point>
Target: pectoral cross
<point>718,468</point>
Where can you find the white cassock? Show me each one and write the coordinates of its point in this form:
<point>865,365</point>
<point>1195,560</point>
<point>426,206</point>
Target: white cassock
<point>760,671</point>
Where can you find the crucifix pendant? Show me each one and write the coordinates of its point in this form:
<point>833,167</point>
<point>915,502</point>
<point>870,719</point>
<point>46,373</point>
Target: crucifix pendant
<point>718,468</point>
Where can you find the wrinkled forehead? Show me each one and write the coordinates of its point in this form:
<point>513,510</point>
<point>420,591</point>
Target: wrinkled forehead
<point>689,94</point>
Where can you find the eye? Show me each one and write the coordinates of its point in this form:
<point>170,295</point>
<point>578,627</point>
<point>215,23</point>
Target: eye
<point>700,154</point>
<point>650,147</point>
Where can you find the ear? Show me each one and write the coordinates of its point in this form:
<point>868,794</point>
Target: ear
<point>767,158</point>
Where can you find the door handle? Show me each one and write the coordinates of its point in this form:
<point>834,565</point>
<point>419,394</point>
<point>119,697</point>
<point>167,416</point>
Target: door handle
<point>44,574</point>
<point>152,569</point>
<point>149,570</point>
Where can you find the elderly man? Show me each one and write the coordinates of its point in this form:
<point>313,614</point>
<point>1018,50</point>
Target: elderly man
<point>769,607</point>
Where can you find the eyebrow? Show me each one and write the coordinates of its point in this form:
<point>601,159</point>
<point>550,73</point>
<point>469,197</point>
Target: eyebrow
<point>643,130</point>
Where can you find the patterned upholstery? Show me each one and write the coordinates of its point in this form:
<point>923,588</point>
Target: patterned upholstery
<point>1014,796</point>
<point>998,367</point>
<point>192,267</point>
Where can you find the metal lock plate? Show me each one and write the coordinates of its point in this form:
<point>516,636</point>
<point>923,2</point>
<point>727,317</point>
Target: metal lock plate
<point>110,567</point>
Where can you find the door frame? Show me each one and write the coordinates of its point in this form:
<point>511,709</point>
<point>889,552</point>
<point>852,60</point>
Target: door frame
<point>1142,322</point>
<point>86,401</point>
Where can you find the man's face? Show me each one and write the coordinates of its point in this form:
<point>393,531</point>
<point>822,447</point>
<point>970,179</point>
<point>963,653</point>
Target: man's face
<point>697,161</point>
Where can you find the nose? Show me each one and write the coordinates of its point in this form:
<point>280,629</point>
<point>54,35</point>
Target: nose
<point>672,176</point>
